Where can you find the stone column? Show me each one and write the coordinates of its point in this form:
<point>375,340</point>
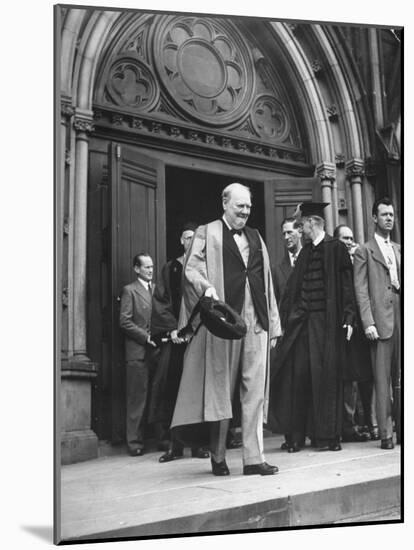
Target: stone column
<point>355,170</point>
<point>78,441</point>
<point>83,124</point>
<point>326,172</point>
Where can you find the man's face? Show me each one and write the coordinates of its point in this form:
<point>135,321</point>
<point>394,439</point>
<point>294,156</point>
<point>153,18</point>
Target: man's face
<point>186,239</point>
<point>291,236</point>
<point>146,269</point>
<point>384,218</point>
<point>346,236</point>
<point>237,208</point>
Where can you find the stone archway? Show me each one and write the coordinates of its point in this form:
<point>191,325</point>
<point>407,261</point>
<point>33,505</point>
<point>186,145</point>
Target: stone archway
<point>328,121</point>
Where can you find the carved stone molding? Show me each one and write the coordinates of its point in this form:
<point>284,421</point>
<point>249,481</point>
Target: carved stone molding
<point>174,132</point>
<point>316,66</point>
<point>326,171</point>
<point>206,68</point>
<point>332,111</point>
<point>117,119</point>
<point>83,121</point>
<point>339,159</point>
<point>355,169</point>
<point>68,158</point>
<point>66,108</point>
<point>130,83</point>
<point>269,119</point>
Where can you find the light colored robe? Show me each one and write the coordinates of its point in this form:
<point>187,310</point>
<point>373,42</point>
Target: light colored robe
<point>204,394</point>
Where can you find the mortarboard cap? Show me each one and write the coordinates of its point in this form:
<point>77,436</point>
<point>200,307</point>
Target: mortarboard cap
<point>310,208</point>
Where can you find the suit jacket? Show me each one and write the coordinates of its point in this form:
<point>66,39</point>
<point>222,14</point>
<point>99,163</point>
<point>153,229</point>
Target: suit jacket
<point>135,319</point>
<point>281,274</point>
<point>373,289</point>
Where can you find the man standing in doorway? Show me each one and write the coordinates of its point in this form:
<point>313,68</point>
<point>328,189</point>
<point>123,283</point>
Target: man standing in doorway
<point>135,320</point>
<point>377,289</point>
<point>292,235</point>
<point>317,313</point>
<point>229,261</point>
<point>165,312</point>
<point>357,374</point>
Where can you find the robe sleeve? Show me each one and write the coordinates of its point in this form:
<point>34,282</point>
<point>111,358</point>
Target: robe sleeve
<point>348,296</point>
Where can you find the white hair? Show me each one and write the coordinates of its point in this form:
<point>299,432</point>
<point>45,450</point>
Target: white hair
<point>228,190</point>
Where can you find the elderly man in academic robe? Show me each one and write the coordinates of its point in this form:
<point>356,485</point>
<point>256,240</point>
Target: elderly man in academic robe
<point>318,313</point>
<point>229,261</point>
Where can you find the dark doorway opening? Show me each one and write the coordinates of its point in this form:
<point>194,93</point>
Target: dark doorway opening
<point>195,196</point>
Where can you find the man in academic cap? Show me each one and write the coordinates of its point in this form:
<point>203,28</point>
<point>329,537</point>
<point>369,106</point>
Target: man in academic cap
<point>228,261</point>
<point>317,314</point>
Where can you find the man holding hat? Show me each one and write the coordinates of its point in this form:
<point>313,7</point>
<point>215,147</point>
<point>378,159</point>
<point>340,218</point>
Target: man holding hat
<point>228,261</point>
<point>318,312</point>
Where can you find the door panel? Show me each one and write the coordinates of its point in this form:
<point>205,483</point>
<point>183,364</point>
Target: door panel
<point>137,225</point>
<point>282,195</point>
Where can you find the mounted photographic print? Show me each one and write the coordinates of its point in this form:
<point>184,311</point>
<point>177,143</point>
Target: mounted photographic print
<point>229,286</point>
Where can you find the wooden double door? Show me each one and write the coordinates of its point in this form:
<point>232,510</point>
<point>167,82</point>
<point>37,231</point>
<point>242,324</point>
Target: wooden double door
<point>138,202</point>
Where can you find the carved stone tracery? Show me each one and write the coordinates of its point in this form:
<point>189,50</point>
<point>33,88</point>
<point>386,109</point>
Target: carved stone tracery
<point>182,76</point>
<point>206,67</point>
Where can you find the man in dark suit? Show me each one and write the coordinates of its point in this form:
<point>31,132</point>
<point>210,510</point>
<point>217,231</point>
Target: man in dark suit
<point>357,373</point>
<point>165,312</point>
<point>228,260</point>
<point>377,289</point>
<point>317,315</point>
<point>292,235</point>
<point>135,319</point>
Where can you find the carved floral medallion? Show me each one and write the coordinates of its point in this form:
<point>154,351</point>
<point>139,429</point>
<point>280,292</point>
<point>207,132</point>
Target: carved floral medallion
<point>206,68</point>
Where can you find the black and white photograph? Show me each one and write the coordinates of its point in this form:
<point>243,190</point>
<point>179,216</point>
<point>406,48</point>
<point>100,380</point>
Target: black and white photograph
<point>228,225</point>
<point>226,278</point>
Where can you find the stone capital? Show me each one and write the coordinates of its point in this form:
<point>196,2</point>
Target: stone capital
<point>66,108</point>
<point>326,171</point>
<point>355,168</point>
<point>83,121</point>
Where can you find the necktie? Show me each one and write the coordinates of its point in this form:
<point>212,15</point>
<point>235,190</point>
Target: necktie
<point>294,258</point>
<point>236,231</point>
<point>390,257</point>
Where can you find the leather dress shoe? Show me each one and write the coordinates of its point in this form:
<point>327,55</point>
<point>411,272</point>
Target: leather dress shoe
<point>199,452</point>
<point>335,445</point>
<point>263,469</point>
<point>136,452</point>
<point>171,455</point>
<point>374,433</point>
<point>219,468</point>
<point>387,443</point>
<point>293,447</point>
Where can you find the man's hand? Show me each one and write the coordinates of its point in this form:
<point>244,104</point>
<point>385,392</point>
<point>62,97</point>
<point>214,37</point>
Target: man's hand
<point>273,342</point>
<point>211,293</point>
<point>349,331</point>
<point>175,338</point>
<point>150,342</point>
<point>371,333</point>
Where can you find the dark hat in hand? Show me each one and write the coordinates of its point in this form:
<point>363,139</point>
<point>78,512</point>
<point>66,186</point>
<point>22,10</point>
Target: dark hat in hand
<point>310,208</point>
<point>221,319</point>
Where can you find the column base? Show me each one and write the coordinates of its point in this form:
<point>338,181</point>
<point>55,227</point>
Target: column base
<point>77,446</point>
<point>77,440</point>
